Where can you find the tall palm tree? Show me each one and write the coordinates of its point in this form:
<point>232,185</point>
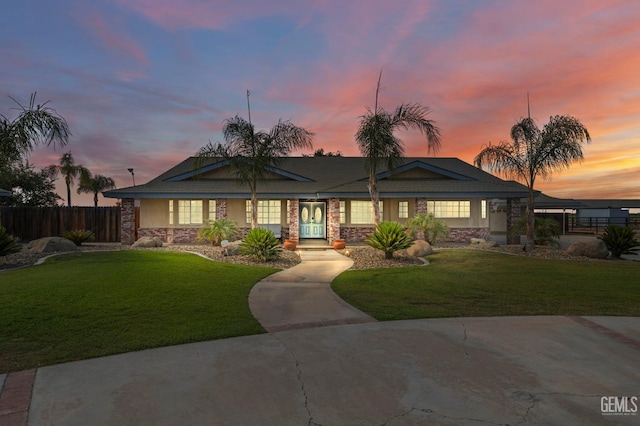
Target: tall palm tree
<point>35,124</point>
<point>67,168</point>
<point>534,152</point>
<point>95,184</point>
<point>251,153</point>
<point>378,144</point>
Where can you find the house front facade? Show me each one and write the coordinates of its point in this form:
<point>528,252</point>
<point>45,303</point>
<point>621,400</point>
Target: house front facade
<point>318,198</point>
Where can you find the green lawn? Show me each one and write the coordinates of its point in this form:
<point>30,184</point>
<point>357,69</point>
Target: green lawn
<point>86,305</point>
<point>466,283</point>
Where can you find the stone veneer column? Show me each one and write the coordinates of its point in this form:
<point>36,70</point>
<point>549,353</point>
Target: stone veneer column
<point>421,206</point>
<point>294,224</point>
<point>333,219</point>
<point>128,221</point>
<point>221,208</point>
<point>514,211</point>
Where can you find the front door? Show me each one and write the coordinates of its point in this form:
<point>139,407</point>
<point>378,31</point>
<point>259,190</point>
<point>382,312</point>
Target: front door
<point>312,218</point>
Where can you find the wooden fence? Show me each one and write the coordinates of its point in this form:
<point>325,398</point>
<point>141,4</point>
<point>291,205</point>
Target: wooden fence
<point>31,223</point>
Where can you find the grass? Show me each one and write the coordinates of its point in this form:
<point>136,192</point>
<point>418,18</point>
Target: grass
<point>466,283</point>
<point>86,305</point>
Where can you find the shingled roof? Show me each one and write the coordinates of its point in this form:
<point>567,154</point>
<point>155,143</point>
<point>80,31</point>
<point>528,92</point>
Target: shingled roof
<point>325,177</point>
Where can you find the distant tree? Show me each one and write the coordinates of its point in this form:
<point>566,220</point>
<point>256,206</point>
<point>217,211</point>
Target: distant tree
<point>29,187</point>
<point>251,154</point>
<point>320,153</point>
<point>533,152</point>
<point>378,144</point>
<point>35,124</point>
<point>67,168</point>
<point>94,185</point>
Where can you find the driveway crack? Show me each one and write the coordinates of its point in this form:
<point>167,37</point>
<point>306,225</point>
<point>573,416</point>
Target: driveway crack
<point>303,389</point>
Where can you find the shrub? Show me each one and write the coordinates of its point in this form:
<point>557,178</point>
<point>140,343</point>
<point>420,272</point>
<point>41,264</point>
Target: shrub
<point>546,230</point>
<point>389,237</point>
<point>79,236</point>
<point>261,244</point>
<point>8,243</point>
<point>620,240</point>
<point>429,226</point>
<point>217,231</point>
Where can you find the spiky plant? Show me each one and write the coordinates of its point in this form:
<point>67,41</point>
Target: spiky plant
<point>389,237</point>
<point>79,236</point>
<point>432,228</point>
<point>261,244</point>
<point>8,243</point>
<point>620,240</point>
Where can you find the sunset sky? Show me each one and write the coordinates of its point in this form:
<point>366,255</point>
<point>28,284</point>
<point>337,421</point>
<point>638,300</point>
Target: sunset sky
<point>145,83</point>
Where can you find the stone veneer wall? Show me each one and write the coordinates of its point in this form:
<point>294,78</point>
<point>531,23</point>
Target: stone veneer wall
<point>514,210</point>
<point>128,221</point>
<point>333,220</point>
<point>221,208</point>
<point>292,232</point>
<point>464,235</point>
<point>421,206</point>
<point>353,235</point>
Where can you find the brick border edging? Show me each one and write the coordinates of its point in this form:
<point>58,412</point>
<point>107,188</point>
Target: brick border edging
<point>15,397</point>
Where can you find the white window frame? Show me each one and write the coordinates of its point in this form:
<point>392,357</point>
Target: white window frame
<point>171,219</point>
<point>483,209</point>
<point>362,212</point>
<point>269,212</point>
<point>190,212</point>
<point>343,211</point>
<point>450,209</point>
<point>212,210</point>
<point>403,209</point>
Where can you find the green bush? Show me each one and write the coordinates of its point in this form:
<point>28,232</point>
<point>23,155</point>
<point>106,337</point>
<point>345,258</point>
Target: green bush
<point>429,226</point>
<point>389,237</point>
<point>261,244</point>
<point>217,231</point>
<point>79,236</point>
<point>620,240</point>
<point>8,243</point>
<point>546,230</point>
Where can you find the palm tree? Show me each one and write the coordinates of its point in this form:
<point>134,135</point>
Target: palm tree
<point>251,153</point>
<point>67,168</point>
<point>34,125</point>
<point>379,146</point>
<point>534,152</point>
<point>95,184</point>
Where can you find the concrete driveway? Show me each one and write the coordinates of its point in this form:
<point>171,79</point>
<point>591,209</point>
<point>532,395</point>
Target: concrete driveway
<point>463,371</point>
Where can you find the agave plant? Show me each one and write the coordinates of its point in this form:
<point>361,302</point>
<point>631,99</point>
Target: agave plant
<point>620,240</point>
<point>389,237</point>
<point>79,236</point>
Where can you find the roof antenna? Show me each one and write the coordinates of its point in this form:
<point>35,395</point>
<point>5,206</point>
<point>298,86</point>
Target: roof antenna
<point>249,106</point>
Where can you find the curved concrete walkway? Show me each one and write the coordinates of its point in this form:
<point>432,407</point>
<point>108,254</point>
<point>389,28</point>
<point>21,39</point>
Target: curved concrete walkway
<point>301,296</point>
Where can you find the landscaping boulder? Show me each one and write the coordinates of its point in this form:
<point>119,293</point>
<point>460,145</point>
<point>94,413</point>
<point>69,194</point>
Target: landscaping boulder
<point>148,242</point>
<point>419,248</point>
<point>488,244</point>
<point>595,249</point>
<point>478,241</point>
<point>51,245</point>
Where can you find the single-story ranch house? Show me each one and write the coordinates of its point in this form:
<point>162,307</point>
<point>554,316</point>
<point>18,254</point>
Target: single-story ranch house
<point>321,198</point>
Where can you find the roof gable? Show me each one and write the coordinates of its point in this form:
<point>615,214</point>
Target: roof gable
<point>421,170</point>
<point>222,170</point>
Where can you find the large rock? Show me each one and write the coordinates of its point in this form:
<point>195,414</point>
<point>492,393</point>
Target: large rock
<point>148,242</point>
<point>233,248</point>
<point>51,245</point>
<point>419,248</point>
<point>595,249</point>
<point>478,241</point>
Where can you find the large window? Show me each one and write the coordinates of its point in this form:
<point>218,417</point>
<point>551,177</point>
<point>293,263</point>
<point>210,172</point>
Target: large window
<point>189,212</point>
<point>268,212</point>
<point>483,208</point>
<point>362,212</point>
<point>170,212</point>
<point>343,212</point>
<point>450,209</point>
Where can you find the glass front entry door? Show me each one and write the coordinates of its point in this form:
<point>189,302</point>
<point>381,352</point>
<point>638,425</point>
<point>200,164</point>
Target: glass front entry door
<point>313,220</point>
